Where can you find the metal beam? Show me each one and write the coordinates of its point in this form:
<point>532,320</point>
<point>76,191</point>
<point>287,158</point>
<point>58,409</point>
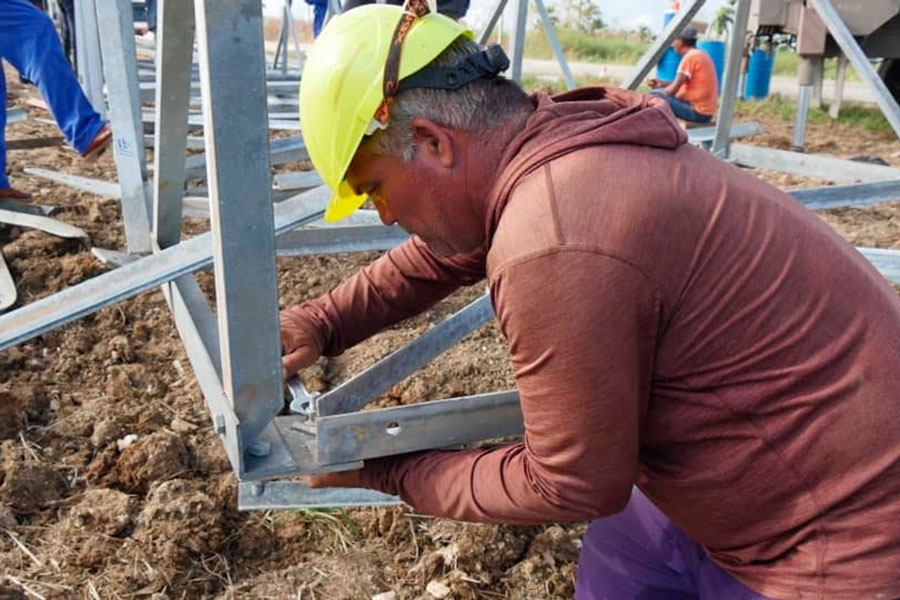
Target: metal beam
<point>732,75</point>
<point>87,52</point>
<point>517,40</point>
<point>427,425</point>
<point>114,18</point>
<point>281,151</point>
<point>496,13</point>
<point>8,293</point>
<point>51,226</point>
<point>175,48</point>
<point>554,43</point>
<point>859,60</point>
<point>336,240</point>
<point>94,186</point>
<point>810,165</point>
<point>886,261</point>
<point>241,218</point>
<point>278,495</point>
<point>355,393</point>
<point>702,135</point>
<point>864,194</point>
<point>661,44</point>
<point>103,290</point>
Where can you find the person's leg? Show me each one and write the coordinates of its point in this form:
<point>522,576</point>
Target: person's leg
<point>29,42</point>
<point>636,554</point>
<point>639,554</point>
<point>4,180</point>
<point>682,108</point>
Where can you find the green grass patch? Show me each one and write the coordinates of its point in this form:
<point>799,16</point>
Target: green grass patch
<point>787,63</point>
<point>531,83</point>
<point>853,115</point>
<point>608,46</point>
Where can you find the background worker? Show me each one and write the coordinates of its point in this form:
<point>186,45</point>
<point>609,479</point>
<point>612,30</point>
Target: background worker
<point>694,93</point>
<point>29,42</point>
<point>676,326</point>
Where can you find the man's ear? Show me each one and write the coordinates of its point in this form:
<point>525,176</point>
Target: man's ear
<point>435,141</point>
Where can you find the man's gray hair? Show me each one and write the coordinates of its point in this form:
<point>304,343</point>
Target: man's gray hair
<point>482,105</point>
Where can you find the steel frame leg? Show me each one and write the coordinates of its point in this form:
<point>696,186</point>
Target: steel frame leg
<point>732,75</point>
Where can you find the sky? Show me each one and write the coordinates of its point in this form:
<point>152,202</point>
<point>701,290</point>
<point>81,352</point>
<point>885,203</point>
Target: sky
<point>627,14</point>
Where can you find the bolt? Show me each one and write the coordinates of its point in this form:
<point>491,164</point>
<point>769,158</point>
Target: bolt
<point>260,449</point>
<point>220,424</point>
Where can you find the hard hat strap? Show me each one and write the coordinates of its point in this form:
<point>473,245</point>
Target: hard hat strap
<point>487,63</point>
<point>412,10</point>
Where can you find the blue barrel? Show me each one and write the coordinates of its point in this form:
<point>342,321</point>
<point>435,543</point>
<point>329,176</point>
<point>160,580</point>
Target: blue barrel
<point>668,64</point>
<point>716,51</point>
<point>759,74</point>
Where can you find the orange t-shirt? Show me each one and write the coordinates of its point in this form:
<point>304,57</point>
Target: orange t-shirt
<point>701,87</point>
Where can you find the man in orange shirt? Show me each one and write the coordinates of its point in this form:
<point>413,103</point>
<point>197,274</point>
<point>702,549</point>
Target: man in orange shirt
<point>694,93</point>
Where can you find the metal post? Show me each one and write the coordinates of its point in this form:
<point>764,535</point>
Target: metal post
<point>860,62</point>
<point>114,19</point>
<point>496,15</point>
<point>517,40</point>
<point>818,82</point>
<point>87,54</point>
<point>835,110</point>
<point>174,52</point>
<point>805,78</point>
<point>661,44</point>
<point>554,43</point>
<point>229,33</point>
<point>732,74</point>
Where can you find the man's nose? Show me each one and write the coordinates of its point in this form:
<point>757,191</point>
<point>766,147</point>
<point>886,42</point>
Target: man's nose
<point>384,213</point>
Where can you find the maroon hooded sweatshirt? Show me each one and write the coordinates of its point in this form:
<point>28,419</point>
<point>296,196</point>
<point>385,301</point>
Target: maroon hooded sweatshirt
<point>675,324</point>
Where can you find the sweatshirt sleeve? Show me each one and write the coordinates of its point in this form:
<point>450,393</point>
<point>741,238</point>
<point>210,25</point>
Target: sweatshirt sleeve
<point>582,330</point>
<point>403,282</point>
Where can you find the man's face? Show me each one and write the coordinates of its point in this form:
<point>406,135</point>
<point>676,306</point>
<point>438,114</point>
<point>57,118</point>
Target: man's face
<point>425,196</point>
<point>678,46</point>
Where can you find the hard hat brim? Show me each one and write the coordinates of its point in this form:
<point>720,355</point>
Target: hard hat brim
<point>344,202</point>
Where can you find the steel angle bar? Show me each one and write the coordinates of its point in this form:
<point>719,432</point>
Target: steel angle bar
<point>196,120</point>
<point>24,207</point>
<point>496,13</point>
<point>436,424</point>
<point>886,261</point>
<point>355,393</point>
<point>94,186</point>
<point>8,293</point>
<point>35,142</point>
<point>99,292</point>
<point>554,43</point>
<point>848,195</point>
<point>175,47</point>
<point>51,226</point>
<point>859,60</point>
<point>295,181</point>
<point>725,115</point>
<point>279,495</point>
<point>229,33</point>
<point>113,257</point>
<point>281,151</point>
<point>336,240</point>
<point>14,115</point>
<point>114,18</point>
<point>196,327</point>
<point>810,165</point>
<point>661,44</point>
<point>708,134</point>
<point>362,217</point>
<point>517,39</point>
<point>87,53</point>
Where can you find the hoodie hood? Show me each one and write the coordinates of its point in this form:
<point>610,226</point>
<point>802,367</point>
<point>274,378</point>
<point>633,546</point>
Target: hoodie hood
<point>587,116</point>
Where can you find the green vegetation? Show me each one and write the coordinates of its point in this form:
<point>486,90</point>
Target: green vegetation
<point>531,84</point>
<point>787,62</point>
<point>604,45</point>
<point>852,115</point>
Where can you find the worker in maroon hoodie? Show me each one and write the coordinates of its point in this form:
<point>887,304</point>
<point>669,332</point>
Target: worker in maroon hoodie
<point>706,370</point>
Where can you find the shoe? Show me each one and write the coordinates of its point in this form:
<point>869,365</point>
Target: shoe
<point>99,144</point>
<point>12,193</point>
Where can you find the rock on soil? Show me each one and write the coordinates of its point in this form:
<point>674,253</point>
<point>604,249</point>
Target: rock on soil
<point>21,405</point>
<point>105,511</point>
<point>156,457</point>
<point>29,487</point>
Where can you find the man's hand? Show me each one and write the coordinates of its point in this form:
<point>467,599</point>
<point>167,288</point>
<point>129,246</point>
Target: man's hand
<point>297,348</point>
<point>654,83</point>
<point>345,479</point>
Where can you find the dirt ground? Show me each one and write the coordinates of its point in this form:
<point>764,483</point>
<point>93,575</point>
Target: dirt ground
<point>113,485</point>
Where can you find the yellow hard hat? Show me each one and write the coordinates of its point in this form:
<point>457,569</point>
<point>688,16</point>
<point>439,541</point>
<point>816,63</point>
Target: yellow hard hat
<point>343,86</point>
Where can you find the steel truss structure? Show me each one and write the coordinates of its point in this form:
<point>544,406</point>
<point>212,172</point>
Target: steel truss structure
<point>234,352</point>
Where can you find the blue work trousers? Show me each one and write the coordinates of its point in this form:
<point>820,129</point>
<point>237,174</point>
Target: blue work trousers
<point>682,108</point>
<point>29,42</point>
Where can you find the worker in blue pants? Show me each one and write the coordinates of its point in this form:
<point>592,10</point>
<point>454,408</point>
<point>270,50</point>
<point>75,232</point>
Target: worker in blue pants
<point>29,42</point>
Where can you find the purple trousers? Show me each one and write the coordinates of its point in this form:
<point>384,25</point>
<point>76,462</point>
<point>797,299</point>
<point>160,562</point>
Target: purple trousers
<point>640,554</point>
